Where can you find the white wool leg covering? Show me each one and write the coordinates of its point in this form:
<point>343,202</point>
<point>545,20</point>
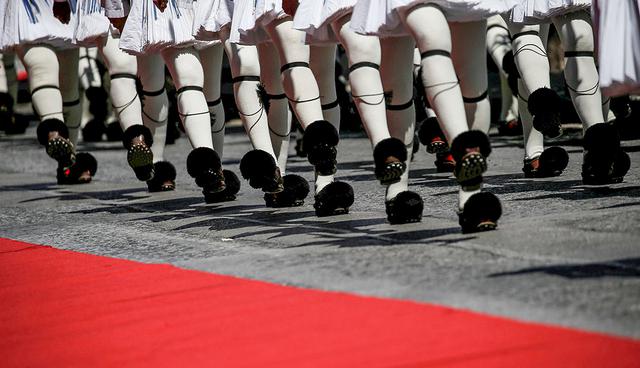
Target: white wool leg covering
<point>297,78</point>
<point>470,62</point>
<point>499,44</point>
<point>364,53</point>
<point>42,66</point>
<point>245,70</point>
<point>397,79</point>
<point>529,50</point>
<point>580,70</point>
<point>323,65</point>
<point>279,116</point>
<point>70,91</point>
<point>211,58</point>
<point>428,26</point>
<point>186,70</point>
<point>123,69</point>
<point>155,104</point>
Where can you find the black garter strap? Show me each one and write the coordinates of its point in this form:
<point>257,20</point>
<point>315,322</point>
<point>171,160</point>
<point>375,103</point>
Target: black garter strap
<point>435,52</point>
<point>497,26</point>
<point>364,64</point>
<point>526,33</point>
<point>475,99</point>
<point>296,64</point>
<point>330,105</point>
<point>400,107</point>
<point>123,75</point>
<point>578,54</point>
<point>214,103</point>
<point>71,103</point>
<point>276,97</point>
<point>246,78</point>
<point>46,86</point>
<point>189,88</point>
<point>153,93</point>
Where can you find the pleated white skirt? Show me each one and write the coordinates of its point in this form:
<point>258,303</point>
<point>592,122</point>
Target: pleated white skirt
<point>537,11</point>
<point>32,21</point>
<point>211,16</point>
<point>251,16</point>
<point>381,17</point>
<point>617,26</point>
<point>148,30</point>
<point>315,17</point>
<point>91,26</point>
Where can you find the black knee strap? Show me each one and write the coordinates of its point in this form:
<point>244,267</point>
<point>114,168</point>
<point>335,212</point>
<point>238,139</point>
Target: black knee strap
<point>214,102</point>
<point>497,26</point>
<point>189,88</point>
<point>123,75</point>
<point>364,64</point>
<point>475,99</point>
<point>153,93</point>
<point>426,54</point>
<point>276,97</point>
<point>330,105</point>
<point>568,54</point>
<point>246,78</point>
<point>400,107</point>
<point>46,86</point>
<point>71,103</point>
<point>525,33</point>
<point>296,64</point>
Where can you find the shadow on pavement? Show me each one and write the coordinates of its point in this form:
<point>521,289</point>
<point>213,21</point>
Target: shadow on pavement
<point>629,267</point>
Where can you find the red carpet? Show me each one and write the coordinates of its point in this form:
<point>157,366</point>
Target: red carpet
<point>62,308</point>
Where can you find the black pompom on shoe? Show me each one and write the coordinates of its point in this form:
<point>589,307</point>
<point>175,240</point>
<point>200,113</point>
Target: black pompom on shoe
<point>203,164</point>
<point>114,132</point>
<point>320,140</point>
<point>551,162</point>
<point>432,136</point>
<point>6,111</point>
<point>261,170</point>
<point>164,177</point>
<point>545,105</point>
<point>470,151</point>
<point>389,156</point>
<point>404,208</point>
<point>93,131</point>
<point>229,193</point>
<point>604,161</point>
<point>59,148</point>
<point>137,139</point>
<point>80,172</point>
<point>481,213</point>
<point>296,189</point>
<point>98,102</point>
<point>334,199</point>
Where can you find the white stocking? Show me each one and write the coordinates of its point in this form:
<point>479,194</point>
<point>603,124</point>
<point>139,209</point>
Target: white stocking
<point>469,60</point>
<point>529,50</point>
<point>41,63</point>
<point>298,80</point>
<point>123,93</point>
<point>245,70</point>
<point>498,44</point>
<point>397,56</point>
<point>211,58</point>
<point>429,28</point>
<point>186,70</point>
<point>580,70</point>
<point>70,91</point>
<point>155,104</point>
<point>364,55</point>
<point>279,116</point>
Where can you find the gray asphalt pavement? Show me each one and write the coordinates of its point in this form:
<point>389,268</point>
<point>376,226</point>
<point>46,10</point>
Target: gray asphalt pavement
<point>564,253</point>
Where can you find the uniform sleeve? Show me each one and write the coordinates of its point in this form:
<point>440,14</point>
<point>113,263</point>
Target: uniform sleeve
<point>116,8</point>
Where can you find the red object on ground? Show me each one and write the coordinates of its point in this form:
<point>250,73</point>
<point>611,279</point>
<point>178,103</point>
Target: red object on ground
<point>62,308</point>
